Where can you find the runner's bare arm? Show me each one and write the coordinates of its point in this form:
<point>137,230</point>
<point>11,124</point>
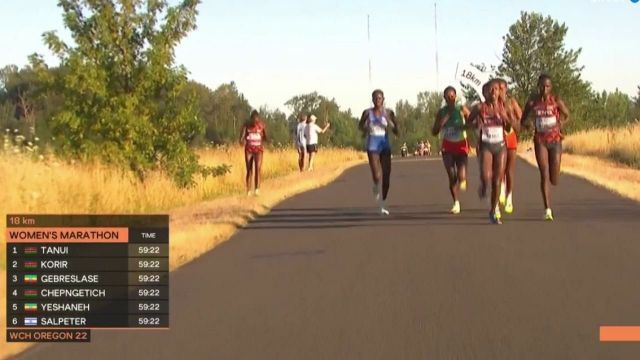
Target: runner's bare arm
<point>441,119</point>
<point>513,119</point>
<point>564,112</point>
<point>516,108</point>
<point>242,135</point>
<point>363,121</point>
<point>472,119</point>
<point>392,119</point>
<point>264,134</point>
<point>465,112</point>
<point>525,115</point>
<point>517,115</point>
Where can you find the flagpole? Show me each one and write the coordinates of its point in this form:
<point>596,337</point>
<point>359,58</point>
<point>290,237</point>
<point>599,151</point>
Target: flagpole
<point>435,16</point>
<point>369,45</point>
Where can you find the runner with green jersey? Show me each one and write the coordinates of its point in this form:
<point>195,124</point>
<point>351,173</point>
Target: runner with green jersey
<point>450,120</point>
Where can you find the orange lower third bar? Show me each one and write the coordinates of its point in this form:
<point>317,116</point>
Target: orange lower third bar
<point>619,333</point>
<point>68,235</point>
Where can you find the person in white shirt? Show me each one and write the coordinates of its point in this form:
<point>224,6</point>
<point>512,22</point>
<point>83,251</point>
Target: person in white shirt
<point>301,142</point>
<point>311,132</point>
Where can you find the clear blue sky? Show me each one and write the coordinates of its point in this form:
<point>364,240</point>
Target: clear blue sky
<point>275,49</point>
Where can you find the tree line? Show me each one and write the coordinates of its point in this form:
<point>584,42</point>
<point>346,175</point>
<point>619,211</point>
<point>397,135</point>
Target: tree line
<point>117,94</point>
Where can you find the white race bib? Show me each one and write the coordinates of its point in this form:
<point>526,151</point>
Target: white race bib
<point>254,137</point>
<point>493,134</point>
<point>451,133</point>
<point>544,123</point>
<point>377,130</point>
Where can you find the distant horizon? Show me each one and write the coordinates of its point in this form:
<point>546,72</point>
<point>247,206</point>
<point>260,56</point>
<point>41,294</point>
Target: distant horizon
<point>284,48</point>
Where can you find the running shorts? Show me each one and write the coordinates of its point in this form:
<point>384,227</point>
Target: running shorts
<point>455,147</point>
<point>377,143</point>
<point>511,140</point>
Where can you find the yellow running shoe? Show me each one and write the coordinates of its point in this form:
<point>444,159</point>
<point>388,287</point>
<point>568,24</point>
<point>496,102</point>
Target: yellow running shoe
<point>508,205</point>
<point>463,185</point>
<point>456,208</point>
<point>548,215</point>
<point>503,194</point>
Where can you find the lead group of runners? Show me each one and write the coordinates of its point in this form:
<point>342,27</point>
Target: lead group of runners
<point>497,122</point>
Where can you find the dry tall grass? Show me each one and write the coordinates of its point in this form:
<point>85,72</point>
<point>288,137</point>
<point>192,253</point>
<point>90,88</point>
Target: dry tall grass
<point>56,187</point>
<point>606,157</point>
<point>621,145</point>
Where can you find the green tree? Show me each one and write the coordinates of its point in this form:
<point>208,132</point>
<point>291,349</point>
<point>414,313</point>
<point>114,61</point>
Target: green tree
<point>277,127</point>
<point>636,106</point>
<point>121,87</point>
<point>27,104</point>
<point>227,112</point>
<point>618,108</point>
<point>344,126</point>
<point>535,45</point>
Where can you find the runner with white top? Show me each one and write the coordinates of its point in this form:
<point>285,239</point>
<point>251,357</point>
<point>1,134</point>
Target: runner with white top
<point>311,132</point>
<point>374,123</point>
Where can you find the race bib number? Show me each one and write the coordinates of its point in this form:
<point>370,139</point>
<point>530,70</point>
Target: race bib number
<point>493,134</point>
<point>377,130</point>
<point>451,133</point>
<point>545,123</point>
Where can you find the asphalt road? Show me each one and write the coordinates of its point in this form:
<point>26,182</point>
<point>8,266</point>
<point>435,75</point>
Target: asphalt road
<point>323,276</point>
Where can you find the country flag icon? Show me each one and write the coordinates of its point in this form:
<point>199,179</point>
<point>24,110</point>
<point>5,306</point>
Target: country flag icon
<point>30,264</point>
<point>30,307</point>
<point>31,279</point>
<point>30,321</point>
<point>31,293</point>
<point>31,250</point>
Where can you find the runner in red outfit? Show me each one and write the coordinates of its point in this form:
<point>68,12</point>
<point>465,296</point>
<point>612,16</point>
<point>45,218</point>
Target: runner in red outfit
<point>550,115</point>
<point>253,135</point>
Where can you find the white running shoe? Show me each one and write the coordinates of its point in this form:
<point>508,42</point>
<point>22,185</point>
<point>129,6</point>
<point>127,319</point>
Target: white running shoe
<point>257,192</point>
<point>376,192</point>
<point>456,208</point>
<point>383,208</point>
<point>548,215</point>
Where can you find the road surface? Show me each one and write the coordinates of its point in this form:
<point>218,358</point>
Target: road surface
<point>323,276</point>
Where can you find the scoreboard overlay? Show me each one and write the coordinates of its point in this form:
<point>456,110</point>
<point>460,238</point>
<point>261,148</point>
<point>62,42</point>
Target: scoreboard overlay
<point>68,274</point>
